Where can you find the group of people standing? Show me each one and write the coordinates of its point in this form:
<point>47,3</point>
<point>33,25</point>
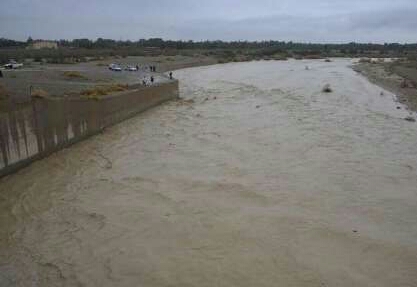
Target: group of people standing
<point>151,78</point>
<point>144,82</point>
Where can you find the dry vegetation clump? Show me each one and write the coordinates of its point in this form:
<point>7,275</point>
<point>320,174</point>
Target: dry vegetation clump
<point>39,93</point>
<point>74,75</point>
<point>185,102</point>
<point>312,57</point>
<point>327,89</point>
<point>280,57</point>
<point>410,119</point>
<point>104,90</point>
<point>407,84</point>
<point>364,60</point>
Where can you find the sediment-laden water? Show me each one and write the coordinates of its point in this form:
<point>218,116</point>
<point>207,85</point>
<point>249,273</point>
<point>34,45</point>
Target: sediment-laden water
<point>255,178</point>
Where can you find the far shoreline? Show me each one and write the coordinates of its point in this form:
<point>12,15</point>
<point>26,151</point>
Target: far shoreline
<point>386,76</point>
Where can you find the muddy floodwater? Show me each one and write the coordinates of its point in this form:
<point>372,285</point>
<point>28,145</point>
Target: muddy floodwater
<point>254,178</point>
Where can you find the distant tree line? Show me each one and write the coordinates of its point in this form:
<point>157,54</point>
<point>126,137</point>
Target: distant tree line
<point>227,51</point>
<point>351,48</point>
<point>101,43</point>
<point>7,43</point>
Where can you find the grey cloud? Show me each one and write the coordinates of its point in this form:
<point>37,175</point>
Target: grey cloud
<point>381,26</point>
<point>397,18</point>
<point>302,20</point>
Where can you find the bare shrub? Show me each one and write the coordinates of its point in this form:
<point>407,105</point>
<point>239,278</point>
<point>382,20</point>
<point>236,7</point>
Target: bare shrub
<point>327,89</point>
<point>39,93</point>
<point>74,75</point>
<point>104,90</point>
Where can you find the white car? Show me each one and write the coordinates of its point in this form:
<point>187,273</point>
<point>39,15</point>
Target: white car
<point>131,68</point>
<point>115,67</point>
<point>13,65</point>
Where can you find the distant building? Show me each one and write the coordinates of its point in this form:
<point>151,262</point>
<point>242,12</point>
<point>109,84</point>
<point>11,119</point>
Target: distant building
<point>40,44</point>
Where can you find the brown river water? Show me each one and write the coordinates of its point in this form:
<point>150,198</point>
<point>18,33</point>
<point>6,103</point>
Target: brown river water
<point>256,178</point>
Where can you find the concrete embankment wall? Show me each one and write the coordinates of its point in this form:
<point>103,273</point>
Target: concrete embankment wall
<point>34,130</point>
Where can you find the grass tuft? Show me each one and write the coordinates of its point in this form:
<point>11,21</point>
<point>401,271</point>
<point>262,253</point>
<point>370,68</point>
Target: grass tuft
<point>99,91</point>
<point>39,93</point>
<point>74,75</point>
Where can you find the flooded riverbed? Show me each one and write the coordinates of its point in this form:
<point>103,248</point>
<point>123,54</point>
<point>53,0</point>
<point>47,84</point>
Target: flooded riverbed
<point>255,178</point>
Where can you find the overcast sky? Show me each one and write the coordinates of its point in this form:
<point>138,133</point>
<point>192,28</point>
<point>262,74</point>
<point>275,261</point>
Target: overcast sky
<point>288,20</point>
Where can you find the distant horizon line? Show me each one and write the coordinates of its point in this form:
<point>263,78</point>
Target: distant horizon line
<point>217,40</point>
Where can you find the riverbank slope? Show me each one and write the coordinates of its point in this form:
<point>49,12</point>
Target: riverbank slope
<point>399,77</point>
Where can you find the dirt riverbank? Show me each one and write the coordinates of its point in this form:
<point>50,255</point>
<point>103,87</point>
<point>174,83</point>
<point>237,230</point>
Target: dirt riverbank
<point>398,77</point>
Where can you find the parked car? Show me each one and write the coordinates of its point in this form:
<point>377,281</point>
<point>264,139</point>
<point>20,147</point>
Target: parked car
<point>13,65</point>
<point>131,68</point>
<point>115,67</point>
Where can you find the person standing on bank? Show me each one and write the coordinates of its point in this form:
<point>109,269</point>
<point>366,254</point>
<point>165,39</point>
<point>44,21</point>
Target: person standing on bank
<point>151,79</point>
<point>170,75</point>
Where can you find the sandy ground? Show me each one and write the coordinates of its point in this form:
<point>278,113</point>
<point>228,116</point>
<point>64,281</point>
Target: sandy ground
<point>51,77</point>
<point>254,178</point>
<point>391,78</point>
